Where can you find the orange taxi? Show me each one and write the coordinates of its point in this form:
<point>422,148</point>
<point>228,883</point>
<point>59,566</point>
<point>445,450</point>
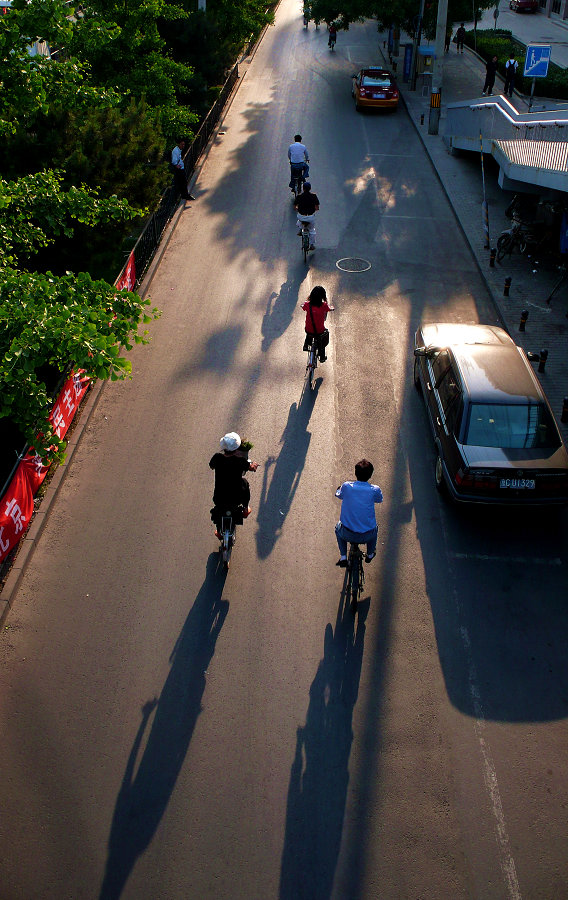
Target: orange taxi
<point>374,87</point>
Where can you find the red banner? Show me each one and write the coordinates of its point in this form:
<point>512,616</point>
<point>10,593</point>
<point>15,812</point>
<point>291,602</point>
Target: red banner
<point>17,504</point>
<point>128,278</point>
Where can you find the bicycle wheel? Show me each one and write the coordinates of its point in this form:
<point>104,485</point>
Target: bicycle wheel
<point>353,579</point>
<point>305,243</point>
<point>504,245</point>
<point>227,547</point>
<point>312,363</point>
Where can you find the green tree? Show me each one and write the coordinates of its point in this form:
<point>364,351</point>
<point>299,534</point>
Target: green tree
<point>51,322</point>
<point>126,53</point>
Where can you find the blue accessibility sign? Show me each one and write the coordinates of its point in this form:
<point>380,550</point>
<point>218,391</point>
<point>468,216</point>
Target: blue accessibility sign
<point>536,60</point>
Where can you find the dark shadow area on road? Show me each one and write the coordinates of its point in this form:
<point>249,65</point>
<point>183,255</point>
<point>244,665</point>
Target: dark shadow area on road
<point>497,588</point>
<point>320,774</point>
<point>280,309</point>
<point>148,783</point>
<point>284,472</point>
<point>218,353</point>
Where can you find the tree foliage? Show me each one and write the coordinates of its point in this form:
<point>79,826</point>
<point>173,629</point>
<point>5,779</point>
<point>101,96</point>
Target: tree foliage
<point>403,14</point>
<point>49,322</point>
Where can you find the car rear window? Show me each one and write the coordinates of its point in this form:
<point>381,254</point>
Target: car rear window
<point>513,426</point>
<point>376,81</point>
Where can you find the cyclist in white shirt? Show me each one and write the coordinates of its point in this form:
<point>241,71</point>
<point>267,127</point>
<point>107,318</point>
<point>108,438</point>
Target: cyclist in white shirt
<point>299,159</point>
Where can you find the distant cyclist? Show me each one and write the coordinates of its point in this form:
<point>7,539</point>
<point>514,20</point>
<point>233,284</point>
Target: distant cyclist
<point>307,204</point>
<point>332,35</point>
<point>357,523</point>
<point>299,160</point>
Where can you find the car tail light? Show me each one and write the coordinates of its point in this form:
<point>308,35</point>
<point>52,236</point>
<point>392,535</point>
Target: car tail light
<point>363,92</point>
<point>553,485</point>
<point>477,478</point>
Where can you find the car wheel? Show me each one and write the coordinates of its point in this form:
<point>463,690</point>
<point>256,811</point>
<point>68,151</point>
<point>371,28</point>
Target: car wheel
<point>417,383</point>
<point>439,475</point>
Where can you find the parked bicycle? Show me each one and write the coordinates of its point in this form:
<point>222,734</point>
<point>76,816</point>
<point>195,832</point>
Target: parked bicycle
<point>524,237</point>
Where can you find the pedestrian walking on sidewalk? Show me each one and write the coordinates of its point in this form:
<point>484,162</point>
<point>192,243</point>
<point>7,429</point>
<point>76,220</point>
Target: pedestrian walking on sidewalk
<point>178,170</point>
<point>460,38</point>
<point>448,39</point>
<point>511,67</point>
<point>490,73</point>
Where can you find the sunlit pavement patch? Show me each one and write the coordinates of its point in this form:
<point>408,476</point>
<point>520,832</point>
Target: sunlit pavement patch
<point>352,264</point>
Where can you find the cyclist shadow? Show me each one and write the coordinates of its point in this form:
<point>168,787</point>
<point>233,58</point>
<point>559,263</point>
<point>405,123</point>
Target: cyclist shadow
<point>277,493</point>
<point>149,779</point>
<point>320,775</point>
<point>280,311</point>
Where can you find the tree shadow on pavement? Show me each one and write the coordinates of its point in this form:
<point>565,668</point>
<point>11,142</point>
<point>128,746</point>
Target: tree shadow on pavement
<point>277,496</point>
<point>320,775</point>
<point>148,782</point>
<point>280,309</point>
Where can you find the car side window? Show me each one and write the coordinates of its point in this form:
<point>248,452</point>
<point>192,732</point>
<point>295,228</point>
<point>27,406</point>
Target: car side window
<point>440,365</point>
<point>450,397</point>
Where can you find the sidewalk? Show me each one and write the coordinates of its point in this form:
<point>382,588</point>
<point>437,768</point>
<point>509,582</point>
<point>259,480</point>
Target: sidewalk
<point>532,279</point>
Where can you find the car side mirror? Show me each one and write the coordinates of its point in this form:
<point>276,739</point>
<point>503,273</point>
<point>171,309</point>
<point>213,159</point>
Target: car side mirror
<point>533,357</point>
<point>420,351</point>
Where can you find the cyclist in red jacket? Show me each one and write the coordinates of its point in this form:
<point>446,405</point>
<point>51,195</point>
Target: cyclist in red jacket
<point>316,308</point>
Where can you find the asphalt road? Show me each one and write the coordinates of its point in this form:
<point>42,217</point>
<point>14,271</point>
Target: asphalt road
<point>169,732</point>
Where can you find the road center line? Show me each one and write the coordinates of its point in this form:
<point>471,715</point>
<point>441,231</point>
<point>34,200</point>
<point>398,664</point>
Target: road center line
<point>490,775</point>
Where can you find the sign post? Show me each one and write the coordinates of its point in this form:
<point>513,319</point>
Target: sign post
<point>536,64</point>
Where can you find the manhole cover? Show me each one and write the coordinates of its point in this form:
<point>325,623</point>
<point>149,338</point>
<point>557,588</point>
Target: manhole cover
<point>352,264</point>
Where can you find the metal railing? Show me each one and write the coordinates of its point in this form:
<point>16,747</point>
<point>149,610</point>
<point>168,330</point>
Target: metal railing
<point>149,240</point>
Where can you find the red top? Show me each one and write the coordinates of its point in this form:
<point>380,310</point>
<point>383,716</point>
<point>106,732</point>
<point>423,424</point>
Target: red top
<point>319,314</point>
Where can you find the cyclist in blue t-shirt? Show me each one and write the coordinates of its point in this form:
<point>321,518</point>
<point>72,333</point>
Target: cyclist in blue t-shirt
<point>357,523</point>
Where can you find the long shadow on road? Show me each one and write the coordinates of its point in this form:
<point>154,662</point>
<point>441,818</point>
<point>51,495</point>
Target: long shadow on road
<point>277,496</point>
<point>320,774</point>
<point>144,796</point>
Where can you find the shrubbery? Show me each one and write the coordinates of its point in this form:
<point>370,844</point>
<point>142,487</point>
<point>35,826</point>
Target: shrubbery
<point>500,43</point>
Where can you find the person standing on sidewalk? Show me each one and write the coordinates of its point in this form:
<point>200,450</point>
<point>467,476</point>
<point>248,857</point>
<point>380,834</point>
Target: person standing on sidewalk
<point>511,67</point>
<point>460,38</point>
<point>178,169</point>
<point>490,73</point>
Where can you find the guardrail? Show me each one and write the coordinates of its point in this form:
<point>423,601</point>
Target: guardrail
<point>150,238</point>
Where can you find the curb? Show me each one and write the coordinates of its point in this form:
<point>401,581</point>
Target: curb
<point>456,217</point>
<point>27,545</point>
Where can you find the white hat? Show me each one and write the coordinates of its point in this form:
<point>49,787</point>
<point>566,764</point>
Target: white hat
<point>230,441</point>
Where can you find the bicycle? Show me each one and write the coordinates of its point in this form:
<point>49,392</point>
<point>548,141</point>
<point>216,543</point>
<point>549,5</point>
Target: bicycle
<point>297,179</point>
<point>355,574</point>
<point>228,537</point>
<point>312,363</point>
<point>305,238</point>
<point>524,236</point>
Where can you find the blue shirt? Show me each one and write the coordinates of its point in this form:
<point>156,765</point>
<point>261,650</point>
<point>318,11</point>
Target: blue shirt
<point>358,505</point>
<point>177,161</point>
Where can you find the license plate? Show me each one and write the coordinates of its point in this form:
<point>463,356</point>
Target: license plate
<point>518,484</point>
<point>378,96</point>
